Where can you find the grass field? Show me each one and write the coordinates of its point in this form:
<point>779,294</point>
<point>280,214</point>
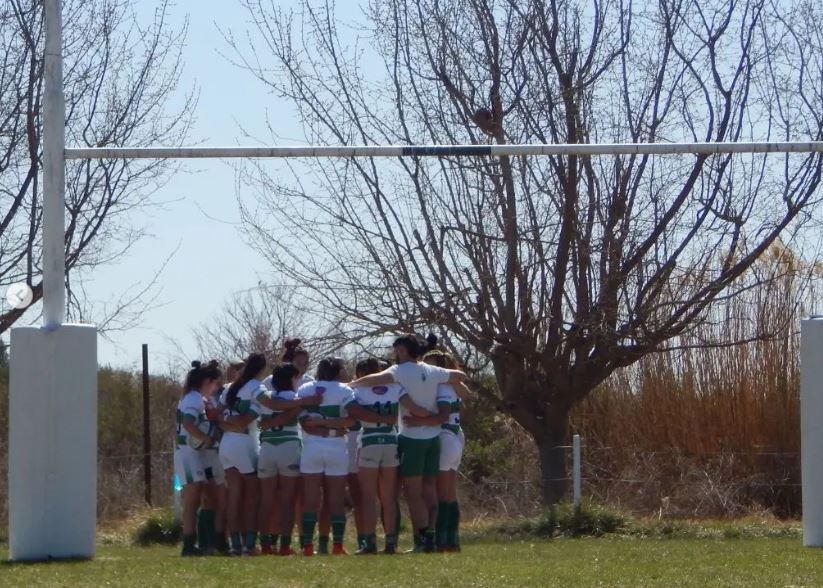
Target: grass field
<point>564,562</point>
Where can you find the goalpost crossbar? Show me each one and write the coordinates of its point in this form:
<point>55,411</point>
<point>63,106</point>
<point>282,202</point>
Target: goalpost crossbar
<point>313,151</point>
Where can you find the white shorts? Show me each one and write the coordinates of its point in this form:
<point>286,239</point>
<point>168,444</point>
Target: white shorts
<point>188,467</point>
<point>240,452</point>
<point>378,456</point>
<point>351,447</point>
<point>451,450</point>
<point>212,466</point>
<point>324,456</point>
<point>282,459</point>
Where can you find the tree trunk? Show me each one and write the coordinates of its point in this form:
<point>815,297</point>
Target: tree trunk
<point>551,447</point>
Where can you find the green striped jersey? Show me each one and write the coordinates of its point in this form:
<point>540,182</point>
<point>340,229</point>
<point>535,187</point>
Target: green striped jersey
<point>384,401</point>
<point>446,396</point>
<point>276,435</point>
<point>335,397</point>
<point>191,407</point>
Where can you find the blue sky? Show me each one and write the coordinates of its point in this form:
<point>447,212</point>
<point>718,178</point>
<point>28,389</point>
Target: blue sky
<point>200,214</point>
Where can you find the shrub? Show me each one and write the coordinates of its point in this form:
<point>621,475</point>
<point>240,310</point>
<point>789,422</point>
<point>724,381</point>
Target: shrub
<point>565,521</point>
<point>159,527</point>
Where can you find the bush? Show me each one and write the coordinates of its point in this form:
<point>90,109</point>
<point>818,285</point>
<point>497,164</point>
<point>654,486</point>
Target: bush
<point>566,521</point>
<point>159,527</point>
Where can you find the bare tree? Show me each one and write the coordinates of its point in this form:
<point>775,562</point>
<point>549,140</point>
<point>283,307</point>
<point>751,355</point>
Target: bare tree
<point>559,270</point>
<point>259,320</point>
<point>119,77</point>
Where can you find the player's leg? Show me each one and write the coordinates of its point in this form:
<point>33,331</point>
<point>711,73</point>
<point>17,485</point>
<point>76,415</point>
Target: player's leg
<point>234,509</point>
<point>412,462</point>
<point>311,502</point>
<point>268,488</point>
<point>336,469</point>
<point>431,468</point>
<point>368,475</point>
<point>388,502</point>
<point>335,489</point>
<point>251,496</point>
<point>288,476</point>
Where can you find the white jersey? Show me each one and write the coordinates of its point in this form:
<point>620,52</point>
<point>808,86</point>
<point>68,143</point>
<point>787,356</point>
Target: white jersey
<point>192,408</point>
<point>334,400</point>
<point>446,396</point>
<point>384,401</point>
<point>245,404</point>
<point>420,381</point>
<point>277,435</point>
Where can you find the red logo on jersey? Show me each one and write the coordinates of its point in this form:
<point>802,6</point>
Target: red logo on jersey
<point>380,390</point>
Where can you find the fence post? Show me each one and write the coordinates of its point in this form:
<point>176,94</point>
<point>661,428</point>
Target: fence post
<point>146,426</point>
<point>576,471</point>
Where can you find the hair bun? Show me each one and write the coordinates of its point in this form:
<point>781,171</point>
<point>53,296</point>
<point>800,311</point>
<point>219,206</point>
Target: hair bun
<point>292,343</point>
<point>213,363</point>
<point>196,364</point>
<point>432,340</point>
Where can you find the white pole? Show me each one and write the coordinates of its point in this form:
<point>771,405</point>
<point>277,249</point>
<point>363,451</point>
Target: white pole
<point>576,471</point>
<point>53,447</point>
<point>443,150</point>
<point>811,430</point>
<point>54,171</point>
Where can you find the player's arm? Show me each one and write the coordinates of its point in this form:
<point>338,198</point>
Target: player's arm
<point>190,425</point>
<point>280,420</point>
<point>383,378</point>
<point>361,413</point>
<point>438,419</point>
<point>280,404</point>
<point>415,410</point>
<point>456,377</point>
<point>462,391</point>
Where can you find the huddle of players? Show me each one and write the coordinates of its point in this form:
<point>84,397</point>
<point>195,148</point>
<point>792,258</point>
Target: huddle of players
<point>255,453</point>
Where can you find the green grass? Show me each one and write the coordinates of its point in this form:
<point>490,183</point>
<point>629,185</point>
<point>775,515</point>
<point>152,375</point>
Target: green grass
<point>560,562</point>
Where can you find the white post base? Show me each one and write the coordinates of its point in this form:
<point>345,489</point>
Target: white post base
<point>53,442</point>
<point>811,430</point>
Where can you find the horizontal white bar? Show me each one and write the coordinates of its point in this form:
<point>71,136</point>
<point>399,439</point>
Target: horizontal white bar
<point>441,150</point>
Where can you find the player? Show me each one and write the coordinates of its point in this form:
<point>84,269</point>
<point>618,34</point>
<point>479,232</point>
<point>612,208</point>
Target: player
<point>324,461</point>
<point>279,461</point>
<point>238,452</point>
<point>452,442</point>
<point>191,420</point>
<point>418,446</point>
<point>211,518</point>
<point>377,408</point>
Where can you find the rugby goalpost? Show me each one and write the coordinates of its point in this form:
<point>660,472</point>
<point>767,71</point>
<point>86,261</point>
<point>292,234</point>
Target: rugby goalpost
<point>53,376</point>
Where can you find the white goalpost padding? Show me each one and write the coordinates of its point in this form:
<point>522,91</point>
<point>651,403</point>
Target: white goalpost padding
<point>53,392</point>
<point>811,427</point>
<point>53,442</point>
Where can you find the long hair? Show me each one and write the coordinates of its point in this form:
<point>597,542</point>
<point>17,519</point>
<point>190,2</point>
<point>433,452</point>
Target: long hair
<point>199,373</point>
<point>329,368</point>
<point>441,358</point>
<point>367,366</point>
<point>293,348</point>
<point>255,363</point>
<point>282,376</point>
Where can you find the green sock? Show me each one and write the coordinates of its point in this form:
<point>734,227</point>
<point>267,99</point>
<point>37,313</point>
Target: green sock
<point>236,541</point>
<point>454,539</point>
<point>188,541</point>
<point>251,540</point>
<point>338,528</point>
<point>442,525</point>
<point>202,533</point>
<point>285,541</point>
<point>391,539</point>
<point>323,545</point>
<point>361,541</point>
<point>307,533</point>
<point>266,540</point>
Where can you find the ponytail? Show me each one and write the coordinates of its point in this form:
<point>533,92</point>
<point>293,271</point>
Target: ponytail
<point>255,363</point>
